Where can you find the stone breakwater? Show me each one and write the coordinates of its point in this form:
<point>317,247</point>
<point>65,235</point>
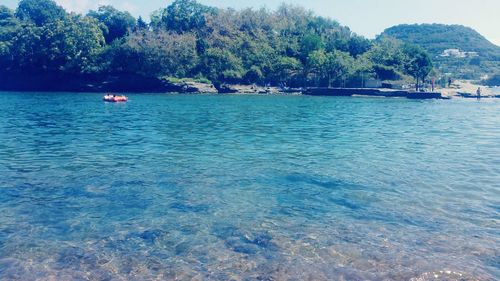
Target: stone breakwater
<point>348,92</point>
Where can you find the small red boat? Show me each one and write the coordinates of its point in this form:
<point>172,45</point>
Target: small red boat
<point>114,98</point>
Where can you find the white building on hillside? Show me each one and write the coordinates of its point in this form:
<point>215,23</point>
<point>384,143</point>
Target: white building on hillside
<point>456,53</point>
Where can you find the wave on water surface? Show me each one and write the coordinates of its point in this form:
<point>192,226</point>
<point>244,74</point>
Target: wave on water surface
<point>248,188</point>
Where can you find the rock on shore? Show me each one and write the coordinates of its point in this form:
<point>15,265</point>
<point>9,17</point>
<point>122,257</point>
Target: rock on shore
<point>192,87</point>
<point>247,89</point>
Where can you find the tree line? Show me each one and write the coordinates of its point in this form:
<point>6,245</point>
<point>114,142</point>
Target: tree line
<point>290,46</point>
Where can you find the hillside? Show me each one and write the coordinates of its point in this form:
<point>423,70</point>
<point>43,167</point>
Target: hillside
<point>455,49</point>
<point>289,47</point>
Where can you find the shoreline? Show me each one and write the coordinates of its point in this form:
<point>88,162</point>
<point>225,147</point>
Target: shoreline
<point>130,83</point>
<point>414,95</point>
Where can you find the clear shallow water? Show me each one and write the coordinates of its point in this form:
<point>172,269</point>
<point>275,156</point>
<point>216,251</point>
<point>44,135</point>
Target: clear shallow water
<point>248,188</point>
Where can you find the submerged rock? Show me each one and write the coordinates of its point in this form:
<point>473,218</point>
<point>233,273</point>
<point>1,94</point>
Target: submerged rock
<point>242,242</point>
<point>444,275</point>
<point>149,236</point>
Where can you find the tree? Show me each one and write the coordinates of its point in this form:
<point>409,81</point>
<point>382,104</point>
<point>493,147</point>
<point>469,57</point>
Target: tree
<point>185,15</point>
<point>59,46</point>
<point>256,56</point>
<point>254,75</point>
<point>418,63</point>
<point>141,24</point>
<point>83,42</point>
<point>310,43</point>
<point>333,66</point>
<point>221,66</point>
<point>158,54</point>
<point>388,58</point>
<point>40,12</point>
<point>7,17</point>
<point>156,19</point>
<point>317,65</point>
<point>9,27</point>
<point>115,24</point>
<point>358,45</point>
<point>339,66</point>
<point>363,68</point>
<point>25,48</point>
<point>287,69</point>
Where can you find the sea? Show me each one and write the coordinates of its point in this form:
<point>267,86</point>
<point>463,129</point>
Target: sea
<point>248,187</point>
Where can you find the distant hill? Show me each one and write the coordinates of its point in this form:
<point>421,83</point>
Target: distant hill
<point>456,49</point>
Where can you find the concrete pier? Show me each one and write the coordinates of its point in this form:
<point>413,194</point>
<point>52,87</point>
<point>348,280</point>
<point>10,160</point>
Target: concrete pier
<point>348,92</point>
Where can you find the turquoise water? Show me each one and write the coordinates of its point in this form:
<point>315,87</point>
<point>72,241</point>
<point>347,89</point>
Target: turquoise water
<point>248,188</point>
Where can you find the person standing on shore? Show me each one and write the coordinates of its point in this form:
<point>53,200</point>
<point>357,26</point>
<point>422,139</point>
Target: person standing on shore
<point>478,92</point>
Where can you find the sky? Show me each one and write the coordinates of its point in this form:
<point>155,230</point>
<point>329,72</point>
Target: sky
<point>365,17</point>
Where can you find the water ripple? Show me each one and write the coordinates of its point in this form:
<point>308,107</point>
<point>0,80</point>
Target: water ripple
<point>170,187</point>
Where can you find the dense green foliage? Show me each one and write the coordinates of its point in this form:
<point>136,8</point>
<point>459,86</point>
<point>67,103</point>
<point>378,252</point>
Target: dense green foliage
<point>436,38</point>
<point>287,47</point>
<point>114,24</point>
<point>61,43</point>
<point>493,80</point>
<point>39,12</point>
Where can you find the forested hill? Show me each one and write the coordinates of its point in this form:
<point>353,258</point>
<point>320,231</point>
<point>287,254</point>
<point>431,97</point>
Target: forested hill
<point>42,45</point>
<point>476,54</point>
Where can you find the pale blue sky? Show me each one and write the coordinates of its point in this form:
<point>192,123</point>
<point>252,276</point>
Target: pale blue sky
<point>366,17</point>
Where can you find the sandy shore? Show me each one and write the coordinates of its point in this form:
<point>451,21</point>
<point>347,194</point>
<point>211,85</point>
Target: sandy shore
<point>463,86</point>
